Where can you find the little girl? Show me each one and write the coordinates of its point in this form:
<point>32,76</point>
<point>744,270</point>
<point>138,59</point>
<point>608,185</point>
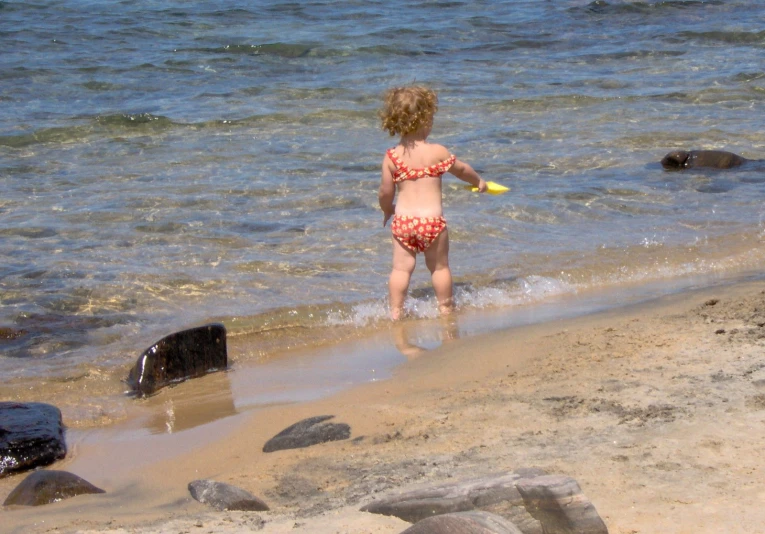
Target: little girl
<point>415,167</point>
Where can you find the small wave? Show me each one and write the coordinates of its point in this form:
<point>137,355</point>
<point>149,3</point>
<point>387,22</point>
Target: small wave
<point>517,44</point>
<point>24,73</point>
<point>29,232</point>
<point>58,330</point>
<point>337,114</point>
<point>134,119</point>
<point>649,260</point>
<point>547,103</point>
<point>147,124</point>
<point>602,7</point>
<point>100,86</point>
<point>46,135</point>
<point>726,37</point>
<point>283,50</point>
<point>387,50</point>
<point>745,77</point>
<point>633,55</point>
<point>517,292</point>
<point>21,6</point>
<point>741,97</point>
<point>101,125</point>
<point>123,124</point>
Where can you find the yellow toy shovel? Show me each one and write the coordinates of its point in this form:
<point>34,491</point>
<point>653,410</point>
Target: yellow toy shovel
<point>491,187</point>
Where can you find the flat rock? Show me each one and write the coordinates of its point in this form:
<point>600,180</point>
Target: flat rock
<point>188,354</point>
<point>31,435</point>
<point>558,503</point>
<point>496,494</point>
<point>464,523</point>
<point>223,496</point>
<point>307,432</point>
<point>46,486</point>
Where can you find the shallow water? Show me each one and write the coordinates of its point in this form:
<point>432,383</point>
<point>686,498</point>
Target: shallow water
<point>165,164</point>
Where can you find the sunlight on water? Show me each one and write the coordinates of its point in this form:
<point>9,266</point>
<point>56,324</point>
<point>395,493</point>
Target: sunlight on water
<point>168,165</point>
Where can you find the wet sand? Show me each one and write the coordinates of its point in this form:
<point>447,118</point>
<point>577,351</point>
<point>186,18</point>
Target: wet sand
<point>656,409</point>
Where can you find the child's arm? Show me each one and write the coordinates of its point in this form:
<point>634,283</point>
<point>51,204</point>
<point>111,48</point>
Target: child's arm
<point>387,192</point>
<point>465,172</point>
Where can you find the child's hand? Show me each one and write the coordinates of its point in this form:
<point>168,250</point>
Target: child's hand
<point>482,187</point>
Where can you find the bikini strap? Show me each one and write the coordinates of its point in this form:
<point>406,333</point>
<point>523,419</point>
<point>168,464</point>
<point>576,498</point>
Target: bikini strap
<point>403,172</point>
<point>396,160</point>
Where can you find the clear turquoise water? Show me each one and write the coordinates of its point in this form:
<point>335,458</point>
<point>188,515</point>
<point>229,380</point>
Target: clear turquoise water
<point>165,164</point>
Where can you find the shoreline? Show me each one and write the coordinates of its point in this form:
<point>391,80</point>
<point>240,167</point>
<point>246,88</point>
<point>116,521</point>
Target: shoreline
<point>647,399</point>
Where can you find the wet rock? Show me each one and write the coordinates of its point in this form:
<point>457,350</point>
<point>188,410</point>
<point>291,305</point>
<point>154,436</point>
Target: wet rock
<point>558,503</point>
<point>496,494</point>
<point>45,487</point>
<point>7,333</point>
<point>464,523</point>
<point>31,435</point>
<point>188,354</point>
<point>307,432</point>
<point>223,496</point>
<point>711,159</point>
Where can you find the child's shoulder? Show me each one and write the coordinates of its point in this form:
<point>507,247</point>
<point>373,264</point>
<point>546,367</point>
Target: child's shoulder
<point>439,152</point>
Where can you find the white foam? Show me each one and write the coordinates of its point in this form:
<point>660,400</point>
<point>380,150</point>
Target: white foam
<point>527,290</point>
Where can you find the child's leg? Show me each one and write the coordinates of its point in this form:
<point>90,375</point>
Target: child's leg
<point>437,260</point>
<point>404,261</point>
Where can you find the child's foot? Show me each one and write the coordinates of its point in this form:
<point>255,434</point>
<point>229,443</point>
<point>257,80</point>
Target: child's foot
<point>446,307</point>
<point>396,314</point>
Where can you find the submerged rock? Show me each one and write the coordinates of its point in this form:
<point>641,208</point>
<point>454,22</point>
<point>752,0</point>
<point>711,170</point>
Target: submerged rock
<point>690,159</point>
<point>307,432</point>
<point>7,333</point>
<point>188,354</point>
<point>223,496</point>
<point>45,487</point>
<point>31,435</point>
<point>464,523</point>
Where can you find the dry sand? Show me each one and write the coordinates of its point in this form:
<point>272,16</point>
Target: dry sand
<point>657,410</point>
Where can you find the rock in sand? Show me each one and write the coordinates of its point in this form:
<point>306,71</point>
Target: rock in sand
<point>188,354</point>
<point>223,496</point>
<point>307,432</point>
<point>45,487</point>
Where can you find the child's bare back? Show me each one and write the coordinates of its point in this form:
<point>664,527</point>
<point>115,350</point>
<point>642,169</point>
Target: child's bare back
<point>421,197</point>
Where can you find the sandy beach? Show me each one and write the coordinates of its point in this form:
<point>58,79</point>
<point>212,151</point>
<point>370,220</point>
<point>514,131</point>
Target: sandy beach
<point>656,409</point>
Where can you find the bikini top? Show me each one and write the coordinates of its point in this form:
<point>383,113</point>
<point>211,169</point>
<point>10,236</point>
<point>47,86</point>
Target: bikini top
<point>403,172</point>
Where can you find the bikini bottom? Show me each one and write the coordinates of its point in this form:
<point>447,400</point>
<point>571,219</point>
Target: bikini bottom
<point>417,233</point>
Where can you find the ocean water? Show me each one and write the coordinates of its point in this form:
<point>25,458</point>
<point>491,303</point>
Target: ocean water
<point>169,163</point>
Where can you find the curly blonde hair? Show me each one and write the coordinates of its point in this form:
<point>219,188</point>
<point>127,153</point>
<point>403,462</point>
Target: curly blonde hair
<point>407,109</point>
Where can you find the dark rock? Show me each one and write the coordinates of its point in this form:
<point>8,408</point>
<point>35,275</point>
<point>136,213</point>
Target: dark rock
<point>45,487</point>
<point>225,496</point>
<point>188,354</point>
<point>7,333</point>
<point>496,494</point>
<point>31,435</point>
<point>689,159</point>
<point>307,432</point>
<point>464,523</point>
<point>559,504</point>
